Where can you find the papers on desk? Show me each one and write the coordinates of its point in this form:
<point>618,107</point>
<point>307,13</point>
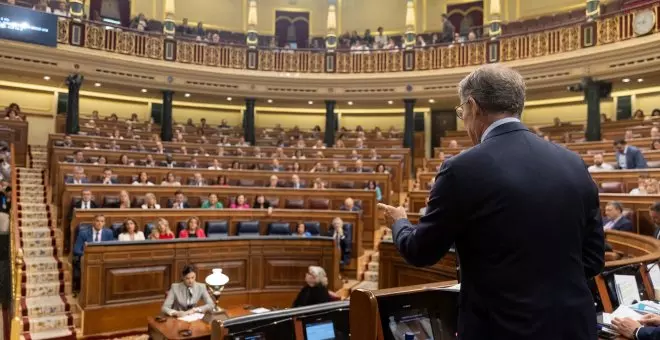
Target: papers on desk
<point>192,317</point>
<point>626,289</point>
<point>621,312</point>
<point>260,310</point>
<point>654,274</point>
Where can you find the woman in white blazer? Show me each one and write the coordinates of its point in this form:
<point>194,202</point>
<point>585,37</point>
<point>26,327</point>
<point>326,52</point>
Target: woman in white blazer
<point>129,232</point>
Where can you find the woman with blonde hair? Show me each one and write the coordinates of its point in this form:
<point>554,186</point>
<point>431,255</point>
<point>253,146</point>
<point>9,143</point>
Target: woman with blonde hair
<point>150,202</point>
<point>124,200</point>
<point>336,231</point>
<point>315,290</point>
<point>162,231</point>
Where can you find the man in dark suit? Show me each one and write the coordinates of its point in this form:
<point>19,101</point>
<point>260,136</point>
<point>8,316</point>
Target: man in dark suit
<point>108,177</point>
<point>85,203</point>
<point>615,218</point>
<point>295,182</point>
<point>524,216</point>
<point>655,216</point>
<point>86,236</point>
<point>628,156</point>
<point>179,202</point>
<point>78,177</point>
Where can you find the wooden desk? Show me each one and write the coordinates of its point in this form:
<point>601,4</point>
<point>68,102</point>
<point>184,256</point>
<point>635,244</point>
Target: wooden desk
<point>169,329</point>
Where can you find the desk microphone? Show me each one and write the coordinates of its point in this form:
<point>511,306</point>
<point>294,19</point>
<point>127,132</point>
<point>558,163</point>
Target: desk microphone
<point>612,271</point>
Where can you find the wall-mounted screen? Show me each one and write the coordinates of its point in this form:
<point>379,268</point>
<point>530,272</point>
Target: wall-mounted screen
<point>26,25</point>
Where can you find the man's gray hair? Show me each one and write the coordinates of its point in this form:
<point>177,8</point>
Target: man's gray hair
<point>495,88</point>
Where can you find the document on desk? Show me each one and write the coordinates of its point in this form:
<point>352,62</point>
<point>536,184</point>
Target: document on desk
<point>621,312</point>
<point>192,317</point>
<point>626,289</point>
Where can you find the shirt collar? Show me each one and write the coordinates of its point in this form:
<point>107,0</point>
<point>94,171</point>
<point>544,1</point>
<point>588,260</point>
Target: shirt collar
<point>498,123</point>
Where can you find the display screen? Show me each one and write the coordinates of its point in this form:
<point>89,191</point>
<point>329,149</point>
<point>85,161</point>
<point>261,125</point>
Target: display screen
<point>411,324</point>
<point>26,25</point>
<point>320,331</point>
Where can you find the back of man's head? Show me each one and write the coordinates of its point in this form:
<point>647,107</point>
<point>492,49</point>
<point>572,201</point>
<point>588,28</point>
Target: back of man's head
<point>495,88</point>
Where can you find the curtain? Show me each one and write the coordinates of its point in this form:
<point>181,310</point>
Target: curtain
<point>300,22</point>
<point>467,16</point>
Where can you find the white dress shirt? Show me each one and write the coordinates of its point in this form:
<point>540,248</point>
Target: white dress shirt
<point>602,167</point>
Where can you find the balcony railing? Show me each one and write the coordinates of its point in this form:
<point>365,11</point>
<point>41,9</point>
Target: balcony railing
<point>570,37</point>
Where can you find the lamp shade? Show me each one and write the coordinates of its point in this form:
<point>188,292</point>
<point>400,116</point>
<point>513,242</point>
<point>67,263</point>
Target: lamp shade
<point>217,278</point>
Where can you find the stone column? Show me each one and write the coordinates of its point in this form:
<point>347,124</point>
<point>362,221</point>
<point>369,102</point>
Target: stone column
<point>495,29</point>
<point>252,37</point>
<point>409,132</point>
<point>331,34</point>
<point>410,34</point>
<point>248,121</point>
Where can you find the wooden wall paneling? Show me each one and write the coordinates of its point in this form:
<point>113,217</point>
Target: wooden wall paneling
<point>15,131</point>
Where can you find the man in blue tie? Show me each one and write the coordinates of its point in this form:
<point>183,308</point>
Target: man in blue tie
<point>96,234</point>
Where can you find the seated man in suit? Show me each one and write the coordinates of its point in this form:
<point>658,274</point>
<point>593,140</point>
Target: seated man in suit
<point>78,157</point>
<point>276,165</point>
<point>615,218</point>
<point>654,211</point>
<point>295,182</point>
<point>349,205</point>
<point>183,296</point>
<point>169,161</point>
<point>358,166</point>
<point>85,203</point>
<point>194,163</point>
<point>95,234</point>
<point>628,156</point>
<point>78,176</point>
<point>108,177</point>
<point>179,201</point>
<point>197,180</point>
<point>648,328</point>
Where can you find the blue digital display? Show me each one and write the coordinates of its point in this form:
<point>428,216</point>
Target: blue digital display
<point>23,24</point>
<point>320,331</point>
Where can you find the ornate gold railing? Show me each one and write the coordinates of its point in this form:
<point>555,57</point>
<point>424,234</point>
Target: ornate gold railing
<point>570,37</point>
<point>16,256</point>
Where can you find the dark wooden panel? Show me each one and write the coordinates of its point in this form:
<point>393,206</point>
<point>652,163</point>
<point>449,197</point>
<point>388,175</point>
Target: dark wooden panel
<point>19,137</point>
<point>393,271</point>
<point>121,288</point>
<point>264,271</point>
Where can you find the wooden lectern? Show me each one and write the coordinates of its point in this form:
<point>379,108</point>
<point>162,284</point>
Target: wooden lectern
<point>365,314</point>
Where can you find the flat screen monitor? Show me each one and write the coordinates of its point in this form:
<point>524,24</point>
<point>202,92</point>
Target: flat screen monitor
<point>25,25</point>
<point>609,277</point>
<point>425,315</point>
<point>324,330</point>
<point>282,329</point>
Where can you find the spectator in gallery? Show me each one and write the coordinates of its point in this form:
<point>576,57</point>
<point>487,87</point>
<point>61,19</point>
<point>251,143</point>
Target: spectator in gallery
<point>435,39</point>
<point>150,202</point>
<point>599,164</point>
<point>639,114</point>
<point>472,36</point>
<point>420,41</point>
<point>13,115</point>
<point>162,231</point>
<point>139,23</point>
<point>448,29</point>
<point>628,156</point>
<point>240,203</point>
<point>212,202</point>
<point>170,180</point>
<point>615,219</point>
<point>129,231</point>
<point>184,28</point>
<point>381,39</point>
<point>655,113</point>
<point>373,186</point>
<point>142,179</point>
<point>315,290</point>
<point>301,230</point>
<point>42,6</point>
<point>192,229</point>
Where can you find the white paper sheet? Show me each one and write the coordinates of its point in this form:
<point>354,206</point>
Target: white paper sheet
<point>621,312</point>
<point>654,274</point>
<point>626,289</point>
<point>192,317</point>
<point>260,310</point>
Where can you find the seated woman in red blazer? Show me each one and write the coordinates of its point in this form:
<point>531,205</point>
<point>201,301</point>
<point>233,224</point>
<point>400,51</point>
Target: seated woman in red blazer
<point>192,229</point>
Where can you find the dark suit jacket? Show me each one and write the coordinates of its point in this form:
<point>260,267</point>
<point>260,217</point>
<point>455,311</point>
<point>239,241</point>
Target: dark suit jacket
<point>83,180</point>
<point>656,233</point>
<point>78,205</point>
<point>649,333</point>
<point>623,224</point>
<point>634,158</point>
<point>87,236</point>
<point>520,210</point>
<point>170,204</point>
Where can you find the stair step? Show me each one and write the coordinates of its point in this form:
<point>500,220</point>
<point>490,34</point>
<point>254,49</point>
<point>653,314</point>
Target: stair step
<point>372,266</point>
<point>36,232</point>
<point>368,285</point>
<point>370,276</point>
<point>66,333</point>
<point>44,289</point>
<point>46,263</point>
<point>38,243</point>
<point>38,251</point>
<point>46,306</point>
<point>46,276</point>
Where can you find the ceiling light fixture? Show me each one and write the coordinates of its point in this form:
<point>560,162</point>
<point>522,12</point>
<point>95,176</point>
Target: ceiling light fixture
<point>390,102</point>
<point>350,103</point>
<point>144,90</point>
<point>229,98</point>
<point>46,78</point>
<point>270,101</point>
<point>639,80</point>
<point>431,101</point>
<point>97,84</point>
<point>625,80</point>
<point>187,95</point>
<point>310,102</point>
